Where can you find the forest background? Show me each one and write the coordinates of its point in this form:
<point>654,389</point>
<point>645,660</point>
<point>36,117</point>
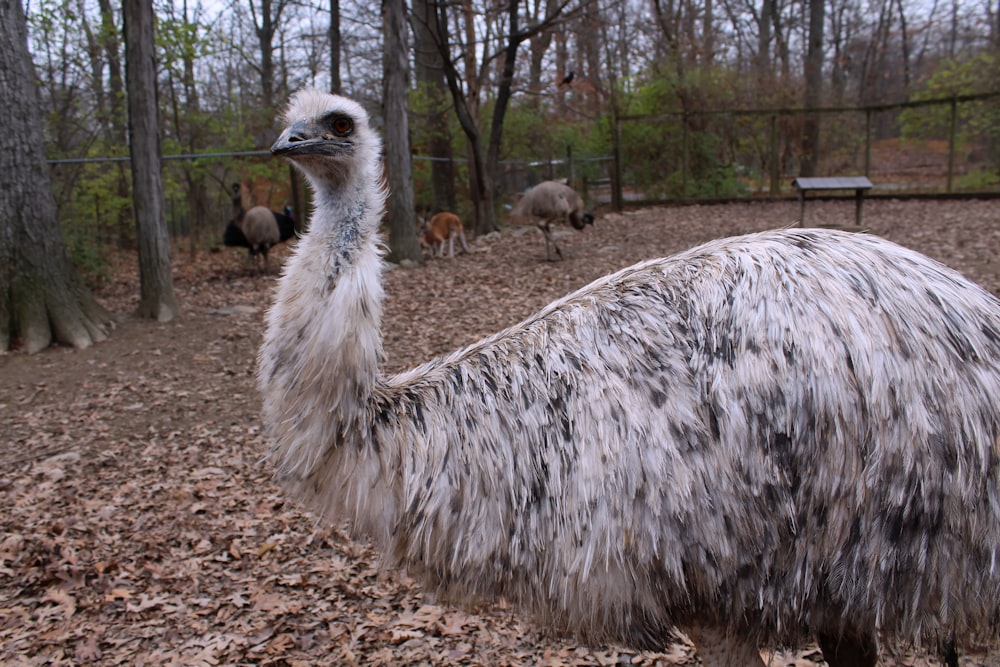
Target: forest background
<point>676,99</point>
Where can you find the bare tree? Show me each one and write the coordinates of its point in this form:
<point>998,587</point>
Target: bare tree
<point>814,87</point>
<point>336,84</point>
<point>904,38</point>
<point>485,159</point>
<point>156,298</point>
<point>429,70</point>
<point>403,242</point>
<point>41,297</point>
<point>185,106</point>
<point>267,21</point>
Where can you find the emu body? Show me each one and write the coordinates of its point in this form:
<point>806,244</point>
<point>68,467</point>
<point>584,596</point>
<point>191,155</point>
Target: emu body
<point>759,440</point>
<point>258,229</point>
<point>549,202</point>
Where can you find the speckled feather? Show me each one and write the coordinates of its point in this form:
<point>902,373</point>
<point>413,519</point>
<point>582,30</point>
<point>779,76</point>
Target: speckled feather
<point>777,434</point>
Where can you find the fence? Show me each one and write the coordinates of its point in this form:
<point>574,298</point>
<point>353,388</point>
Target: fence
<point>929,146</point>
<point>940,146</point>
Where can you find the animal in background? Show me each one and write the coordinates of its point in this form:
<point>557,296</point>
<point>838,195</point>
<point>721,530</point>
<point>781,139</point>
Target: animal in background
<point>761,440</point>
<point>549,202</point>
<point>443,227</point>
<point>258,229</point>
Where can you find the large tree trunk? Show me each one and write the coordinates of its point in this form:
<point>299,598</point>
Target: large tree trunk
<point>814,87</point>
<point>403,242</point>
<point>41,296</point>
<point>156,298</point>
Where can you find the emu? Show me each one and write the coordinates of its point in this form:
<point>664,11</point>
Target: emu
<point>761,440</point>
<point>548,202</point>
<point>258,229</point>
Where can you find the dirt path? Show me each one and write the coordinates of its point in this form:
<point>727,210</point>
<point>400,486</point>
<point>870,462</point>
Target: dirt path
<point>139,526</point>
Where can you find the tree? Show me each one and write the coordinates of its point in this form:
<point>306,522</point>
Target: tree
<point>429,71</point>
<point>266,25</point>
<point>156,285</point>
<point>180,40</point>
<point>336,85</point>
<point>402,222</point>
<point>41,296</point>
<point>814,87</point>
<point>483,165</point>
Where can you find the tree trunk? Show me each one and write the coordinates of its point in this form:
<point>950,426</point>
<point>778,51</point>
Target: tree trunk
<point>504,93</point>
<point>430,80</point>
<point>762,62</point>
<point>904,39</point>
<point>814,87</point>
<point>403,242</point>
<point>537,49</point>
<point>41,296</point>
<point>156,298</point>
<point>334,34</point>
<point>197,196</point>
<point>265,38</point>
<point>466,110</point>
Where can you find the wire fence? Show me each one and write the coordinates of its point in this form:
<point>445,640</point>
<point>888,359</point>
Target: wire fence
<point>941,146</point>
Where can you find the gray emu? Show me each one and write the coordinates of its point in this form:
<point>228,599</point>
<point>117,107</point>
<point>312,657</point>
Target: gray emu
<point>763,439</point>
<point>548,202</point>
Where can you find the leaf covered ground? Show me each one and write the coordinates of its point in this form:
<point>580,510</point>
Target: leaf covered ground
<point>139,526</point>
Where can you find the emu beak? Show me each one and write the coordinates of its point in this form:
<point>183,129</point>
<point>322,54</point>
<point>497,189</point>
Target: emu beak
<point>304,137</point>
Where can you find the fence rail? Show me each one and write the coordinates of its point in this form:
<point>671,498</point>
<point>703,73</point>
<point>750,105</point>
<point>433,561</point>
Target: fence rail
<point>941,146</point>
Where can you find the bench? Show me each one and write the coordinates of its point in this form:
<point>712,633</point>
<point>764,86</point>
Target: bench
<point>859,184</point>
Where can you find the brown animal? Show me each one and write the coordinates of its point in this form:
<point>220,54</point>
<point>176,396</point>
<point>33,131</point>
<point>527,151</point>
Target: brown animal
<point>443,227</point>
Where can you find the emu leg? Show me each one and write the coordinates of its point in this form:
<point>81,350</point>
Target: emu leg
<point>718,648</point>
<point>949,654</point>
<point>848,650</point>
<point>549,240</point>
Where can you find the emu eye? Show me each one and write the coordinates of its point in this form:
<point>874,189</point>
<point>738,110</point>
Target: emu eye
<point>342,126</point>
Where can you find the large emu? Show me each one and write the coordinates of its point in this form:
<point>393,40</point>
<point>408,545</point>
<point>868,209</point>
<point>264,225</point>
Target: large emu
<point>552,201</point>
<point>764,439</point>
<point>258,229</point>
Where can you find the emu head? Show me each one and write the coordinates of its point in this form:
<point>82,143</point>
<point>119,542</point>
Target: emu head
<point>579,221</point>
<point>327,137</point>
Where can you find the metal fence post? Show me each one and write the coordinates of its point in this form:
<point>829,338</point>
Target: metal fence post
<point>952,125</point>
<point>616,180</point>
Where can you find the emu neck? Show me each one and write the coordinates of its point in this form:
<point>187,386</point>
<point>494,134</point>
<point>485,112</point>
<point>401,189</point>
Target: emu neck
<point>319,359</point>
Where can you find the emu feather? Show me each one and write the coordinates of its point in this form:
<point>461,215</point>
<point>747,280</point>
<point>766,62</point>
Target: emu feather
<point>761,439</point>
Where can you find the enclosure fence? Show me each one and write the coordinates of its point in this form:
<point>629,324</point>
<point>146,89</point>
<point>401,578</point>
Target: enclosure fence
<point>940,146</point>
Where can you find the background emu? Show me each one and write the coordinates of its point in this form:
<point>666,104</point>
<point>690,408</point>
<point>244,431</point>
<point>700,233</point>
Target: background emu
<point>763,439</point>
<point>548,202</point>
<point>258,229</point>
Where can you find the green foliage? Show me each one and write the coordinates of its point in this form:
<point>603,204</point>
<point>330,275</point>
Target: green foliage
<point>88,254</point>
<point>977,123</point>
<point>660,139</point>
<point>978,181</point>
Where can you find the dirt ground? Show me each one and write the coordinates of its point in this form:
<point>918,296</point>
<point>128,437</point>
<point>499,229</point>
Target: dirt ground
<point>139,526</point>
